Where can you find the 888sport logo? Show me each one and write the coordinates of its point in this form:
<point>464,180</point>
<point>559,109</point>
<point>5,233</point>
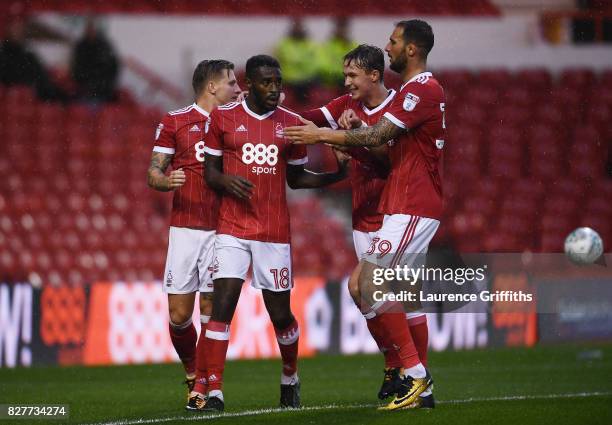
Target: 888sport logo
<point>265,157</point>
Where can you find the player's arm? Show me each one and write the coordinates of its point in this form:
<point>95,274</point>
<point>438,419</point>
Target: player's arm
<point>215,178</point>
<point>377,135</point>
<point>300,178</point>
<point>156,174</point>
<point>374,156</point>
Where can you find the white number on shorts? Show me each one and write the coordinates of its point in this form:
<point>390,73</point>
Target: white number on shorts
<point>199,147</point>
<point>260,154</point>
<point>283,282</point>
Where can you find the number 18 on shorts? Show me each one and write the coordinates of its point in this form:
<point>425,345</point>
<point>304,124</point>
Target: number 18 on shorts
<point>271,262</point>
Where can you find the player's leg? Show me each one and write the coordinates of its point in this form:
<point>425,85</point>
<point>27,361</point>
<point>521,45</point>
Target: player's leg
<point>205,268</point>
<point>181,283</point>
<point>418,232</point>
<point>363,242</point>
<point>273,275</point>
<point>417,323</point>
<point>231,264</point>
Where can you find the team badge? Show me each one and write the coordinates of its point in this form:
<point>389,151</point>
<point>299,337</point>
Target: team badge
<point>410,101</point>
<point>160,127</point>
<point>279,130</point>
<point>439,143</point>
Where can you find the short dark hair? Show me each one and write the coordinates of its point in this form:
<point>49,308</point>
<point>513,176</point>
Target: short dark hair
<point>367,57</point>
<point>207,70</point>
<point>418,32</point>
<point>258,61</point>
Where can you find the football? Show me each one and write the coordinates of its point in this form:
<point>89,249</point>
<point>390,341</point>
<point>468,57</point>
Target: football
<point>583,246</point>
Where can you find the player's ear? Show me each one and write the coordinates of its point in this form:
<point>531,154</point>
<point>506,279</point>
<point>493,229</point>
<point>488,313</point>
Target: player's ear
<point>411,49</point>
<point>211,87</point>
<point>375,76</point>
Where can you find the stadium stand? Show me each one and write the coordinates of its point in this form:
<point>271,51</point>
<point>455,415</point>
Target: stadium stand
<point>75,207</point>
<point>264,7</point>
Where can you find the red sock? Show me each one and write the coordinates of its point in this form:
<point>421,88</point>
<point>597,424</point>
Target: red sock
<point>201,386</point>
<point>379,335</point>
<point>420,336</point>
<point>184,339</point>
<point>288,344</point>
<point>393,321</point>
<point>216,341</point>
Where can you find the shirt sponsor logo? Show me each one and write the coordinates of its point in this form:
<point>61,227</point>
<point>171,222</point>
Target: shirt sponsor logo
<point>261,155</point>
<point>410,101</point>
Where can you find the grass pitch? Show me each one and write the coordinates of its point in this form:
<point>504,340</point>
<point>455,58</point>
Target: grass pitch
<point>544,385</point>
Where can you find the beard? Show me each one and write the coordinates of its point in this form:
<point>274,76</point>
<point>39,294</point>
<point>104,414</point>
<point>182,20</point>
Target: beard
<point>399,64</point>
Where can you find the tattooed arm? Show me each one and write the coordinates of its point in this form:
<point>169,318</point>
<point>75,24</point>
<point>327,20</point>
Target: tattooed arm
<point>377,135</point>
<point>156,174</point>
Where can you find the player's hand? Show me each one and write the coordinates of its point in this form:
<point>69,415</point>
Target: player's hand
<point>349,119</point>
<point>307,134</point>
<point>342,158</point>
<point>342,155</point>
<point>176,179</point>
<point>237,186</point>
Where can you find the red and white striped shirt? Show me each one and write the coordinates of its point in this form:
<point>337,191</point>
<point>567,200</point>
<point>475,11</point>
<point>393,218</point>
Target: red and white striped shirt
<point>253,147</point>
<point>414,184</point>
<point>180,134</point>
<point>367,179</point>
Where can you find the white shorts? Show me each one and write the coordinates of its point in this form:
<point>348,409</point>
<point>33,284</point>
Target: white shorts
<point>362,242</point>
<point>189,261</point>
<point>271,262</point>
<point>401,239</point>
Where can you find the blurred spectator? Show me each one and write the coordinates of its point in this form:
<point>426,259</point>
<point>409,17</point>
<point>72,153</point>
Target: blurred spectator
<point>331,52</point>
<point>95,67</point>
<point>20,66</point>
<point>296,54</point>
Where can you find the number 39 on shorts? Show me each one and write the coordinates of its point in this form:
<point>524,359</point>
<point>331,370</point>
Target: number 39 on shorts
<point>383,247</point>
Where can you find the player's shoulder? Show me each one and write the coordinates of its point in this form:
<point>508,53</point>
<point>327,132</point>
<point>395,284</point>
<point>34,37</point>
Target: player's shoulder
<point>345,99</point>
<point>228,106</point>
<point>421,85</point>
<point>286,111</point>
<point>181,111</point>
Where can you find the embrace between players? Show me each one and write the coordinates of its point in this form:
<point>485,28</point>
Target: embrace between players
<point>230,160</point>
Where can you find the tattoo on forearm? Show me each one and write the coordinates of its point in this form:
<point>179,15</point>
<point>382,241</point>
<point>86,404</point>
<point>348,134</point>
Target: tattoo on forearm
<point>157,168</point>
<point>379,134</point>
<point>160,160</point>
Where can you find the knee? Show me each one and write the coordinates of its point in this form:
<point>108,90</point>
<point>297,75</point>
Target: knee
<point>179,315</point>
<point>353,287</point>
<point>281,319</point>
<point>206,304</point>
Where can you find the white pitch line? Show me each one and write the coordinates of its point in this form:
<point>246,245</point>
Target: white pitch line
<point>257,412</point>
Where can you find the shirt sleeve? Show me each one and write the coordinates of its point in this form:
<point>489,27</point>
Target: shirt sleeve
<point>316,116</point>
<point>333,110</point>
<point>408,109</point>
<point>213,134</point>
<point>165,136</point>
<point>297,154</point>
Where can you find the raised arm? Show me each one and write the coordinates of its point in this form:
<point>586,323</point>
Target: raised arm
<point>156,174</point>
<point>233,185</point>
<point>377,135</point>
